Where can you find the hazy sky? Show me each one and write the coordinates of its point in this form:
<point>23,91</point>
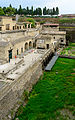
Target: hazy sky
<point>65,6</point>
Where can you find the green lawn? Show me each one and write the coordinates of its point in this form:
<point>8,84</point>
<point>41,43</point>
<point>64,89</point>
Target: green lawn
<point>53,97</point>
<point>70,50</point>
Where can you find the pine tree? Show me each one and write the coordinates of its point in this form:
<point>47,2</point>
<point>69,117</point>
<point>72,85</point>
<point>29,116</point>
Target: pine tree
<point>10,5</point>
<point>44,11</point>
<point>57,10</point>
<point>32,10</point>
<point>54,12</point>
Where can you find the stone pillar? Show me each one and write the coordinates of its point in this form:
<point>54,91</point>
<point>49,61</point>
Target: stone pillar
<point>30,25</point>
<point>27,26</point>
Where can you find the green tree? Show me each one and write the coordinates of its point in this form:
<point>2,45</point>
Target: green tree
<point>36,11</point>
<point>16,11</point>
<point>1,12</point>
<point>10,11</point>
<point>28,10</point>
<point>45,11</point>
<point>51,12</point>
<point>10,5</point>
<point>39,11</point>
<point>4,9</point>
<point>31,20</point>
<point>20,11</point>
<point>24,11</point>
<point>48,11</point>
<point>32,11</point>
<point>54,12</point>
<point>57,10</point>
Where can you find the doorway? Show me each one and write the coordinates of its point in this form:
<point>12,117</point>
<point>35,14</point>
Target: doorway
<point>17,52</point>
<point>47,46</point>
<point>10,55</point>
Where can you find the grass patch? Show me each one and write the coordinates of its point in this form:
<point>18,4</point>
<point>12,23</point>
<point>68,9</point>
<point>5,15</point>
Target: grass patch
<point>70,50</point>
<point>54,93</point>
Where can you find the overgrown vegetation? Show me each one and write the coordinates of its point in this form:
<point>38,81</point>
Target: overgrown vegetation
<point>31,20</point>
<point>67,20</point>
<point>53,97</point>
<point>70,50</point>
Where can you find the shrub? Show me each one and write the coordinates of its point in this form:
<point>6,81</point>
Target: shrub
<point>31,20</point>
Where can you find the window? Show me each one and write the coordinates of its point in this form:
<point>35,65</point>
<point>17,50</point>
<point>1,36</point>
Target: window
<point>61,40</point>
<point>54,37</point>
<point>7,26</point>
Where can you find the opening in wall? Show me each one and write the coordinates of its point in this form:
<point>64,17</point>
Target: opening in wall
<point>62,40</point>
<point>47,46</point>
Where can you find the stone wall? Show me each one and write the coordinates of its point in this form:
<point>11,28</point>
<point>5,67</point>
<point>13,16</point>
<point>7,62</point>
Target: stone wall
<point>11,93</point>
<point>17,41</point>
<point>70,31</point>
<point>10,35</point>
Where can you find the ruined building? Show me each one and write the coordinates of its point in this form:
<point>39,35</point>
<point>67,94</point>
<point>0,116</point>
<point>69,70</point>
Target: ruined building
<point>16,37</point>
<point>24,52</point>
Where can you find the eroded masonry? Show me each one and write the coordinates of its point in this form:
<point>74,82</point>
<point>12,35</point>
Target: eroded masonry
<point>23,52</point>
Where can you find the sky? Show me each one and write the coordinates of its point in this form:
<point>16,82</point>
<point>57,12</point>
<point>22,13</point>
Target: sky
<point>65,6</point>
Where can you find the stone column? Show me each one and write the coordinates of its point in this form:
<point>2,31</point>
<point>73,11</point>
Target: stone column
<point>27,26</point>
<point>30,25</point>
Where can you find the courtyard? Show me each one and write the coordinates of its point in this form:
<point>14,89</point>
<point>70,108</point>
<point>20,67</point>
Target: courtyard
<point>53,97</point>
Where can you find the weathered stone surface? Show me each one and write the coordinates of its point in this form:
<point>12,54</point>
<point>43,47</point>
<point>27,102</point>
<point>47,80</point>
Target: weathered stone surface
<point>12,95</point>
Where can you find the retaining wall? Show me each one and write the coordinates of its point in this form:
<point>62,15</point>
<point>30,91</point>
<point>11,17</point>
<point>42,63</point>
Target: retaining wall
<point>11,93</point>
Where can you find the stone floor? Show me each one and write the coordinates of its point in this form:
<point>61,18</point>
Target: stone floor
<point>16,67</point>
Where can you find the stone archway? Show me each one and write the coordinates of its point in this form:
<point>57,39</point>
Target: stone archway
<point>30,45</point>
<point>26,46</point>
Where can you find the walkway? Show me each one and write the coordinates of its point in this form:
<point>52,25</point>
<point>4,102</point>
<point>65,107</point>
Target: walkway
<point>52,62</point>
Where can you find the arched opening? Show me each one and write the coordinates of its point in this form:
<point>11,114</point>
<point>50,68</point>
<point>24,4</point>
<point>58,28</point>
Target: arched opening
<point>18,27</point>
<point>26,46</point>
<point>34,45</point>
<point>28,25</point>
<point>47,45</point>
<point>23,27</point>
<point>30,45</point>
<point>13,27</point>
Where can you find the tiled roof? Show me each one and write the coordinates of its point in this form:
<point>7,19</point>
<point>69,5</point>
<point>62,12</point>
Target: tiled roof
<point>48,24</point>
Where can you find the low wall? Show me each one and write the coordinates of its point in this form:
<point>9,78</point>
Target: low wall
<point>11,93</point>
<point>69,57</point>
